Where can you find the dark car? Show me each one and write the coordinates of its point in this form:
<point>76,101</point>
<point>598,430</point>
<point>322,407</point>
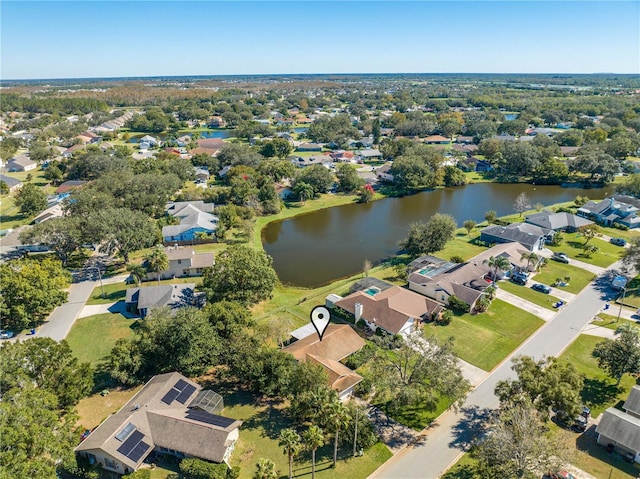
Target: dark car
<point>519,278</point>
<point>543,288</point>
<point>618,241</point>
<point>560,258</point>
<point>576,424</point>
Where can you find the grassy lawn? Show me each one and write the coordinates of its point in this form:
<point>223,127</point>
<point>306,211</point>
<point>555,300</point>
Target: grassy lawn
<point>525,292</point>
<point>632,294</point>
<point>417,417</point>
<point>10,216</point>
<point>108,327</point>
<point>600,391</point>
<point>579,277</point>
<point>611,321</point>
<point>486,339</point>
<point>572,245</point>
<point>617,233</point>
<point>94,409</point>
<point>462,245</point>
<point>259,439</point>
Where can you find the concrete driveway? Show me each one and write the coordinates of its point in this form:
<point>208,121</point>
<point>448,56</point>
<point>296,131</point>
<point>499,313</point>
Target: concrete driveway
<point>517,301</point>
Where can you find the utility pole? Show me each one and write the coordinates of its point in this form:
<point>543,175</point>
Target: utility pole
<point>624,290</point>
<point>355,434</point>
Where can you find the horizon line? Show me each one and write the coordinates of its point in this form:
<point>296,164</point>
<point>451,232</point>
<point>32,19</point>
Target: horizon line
<point>242,75</point>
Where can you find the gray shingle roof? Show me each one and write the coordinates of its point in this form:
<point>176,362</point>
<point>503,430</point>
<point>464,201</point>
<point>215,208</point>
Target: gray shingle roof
<point>556,221</point>
<point>620,427</point>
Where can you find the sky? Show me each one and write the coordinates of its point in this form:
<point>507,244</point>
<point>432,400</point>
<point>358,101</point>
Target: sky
<point>88,39</point>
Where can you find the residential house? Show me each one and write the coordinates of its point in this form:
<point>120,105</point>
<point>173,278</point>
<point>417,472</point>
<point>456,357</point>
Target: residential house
<point>531,236</point>
<point>364,142</point>
<point>88,137</point>
<point>439,280</point>
<point>170,414</point>
<point>184,262</point>
<point>465,148</point>
<point>50,213</point>
<point>343,156</point>
<point>68,153</point>
<point>384,173</point>
<point>142,300</point>
<point>184,140</point>
<point>338,342</point>
<point>13,183</point>
<point>369,154</point>
<point>395,310</point>
<point>504,137</point>
<point>557,221</point>
<point>149,141</point>
<point>569,151</point>
<point>69,186</point>
<point>302,162</point>
<point>195,217</point>
<point>202,174</point>
<point>618,209</point>
<point>437,140</point>
<point>620,429</point>
<point>514,252</point>
<point>217,122</point>
<point>21,163</point>
<point>309,147</point>
<point>467,140</point>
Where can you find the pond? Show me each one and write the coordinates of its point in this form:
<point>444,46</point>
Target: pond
<point>511,116</point>
<point>223,134</point>
<point>302,129</point>
<point>318,248</point>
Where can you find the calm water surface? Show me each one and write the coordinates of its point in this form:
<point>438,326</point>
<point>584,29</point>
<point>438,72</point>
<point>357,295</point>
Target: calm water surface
<point>320,247</point>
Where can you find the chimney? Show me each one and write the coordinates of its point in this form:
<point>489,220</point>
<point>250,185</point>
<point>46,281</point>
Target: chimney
<point>358,312</point>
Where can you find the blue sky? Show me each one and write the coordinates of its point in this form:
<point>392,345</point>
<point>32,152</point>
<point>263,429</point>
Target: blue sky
<point>53,39</point>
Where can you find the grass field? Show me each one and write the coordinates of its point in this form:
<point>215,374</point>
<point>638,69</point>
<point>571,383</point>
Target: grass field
<point>108,327</point>
<point>579,277</point>
<point>600,391</point>
<point>525,292</point>
<point>572,245</point>
<point>484,340</point>
<point>10,216</point>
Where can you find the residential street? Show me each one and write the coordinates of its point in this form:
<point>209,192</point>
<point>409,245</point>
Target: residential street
<point>445,441</point>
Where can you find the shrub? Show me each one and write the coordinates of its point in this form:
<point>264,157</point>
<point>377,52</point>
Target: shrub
<point>197,469</point>
<point>457,259</point>
<point>458,305</point>
<point>361,324</point>
<point>445,318</point>
<point>139,474</point>
<point>620,227</point>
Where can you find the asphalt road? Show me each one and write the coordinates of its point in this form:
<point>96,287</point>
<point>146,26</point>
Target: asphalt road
<point>447,440</point>
<point>63,317</point>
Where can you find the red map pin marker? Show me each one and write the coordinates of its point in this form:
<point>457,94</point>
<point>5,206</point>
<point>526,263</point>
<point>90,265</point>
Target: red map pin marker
<point>320,318</point>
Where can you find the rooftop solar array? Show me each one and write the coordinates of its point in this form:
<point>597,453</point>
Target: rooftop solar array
<point>179,392</point>
<point>134,447</point>
<point>213,419</point>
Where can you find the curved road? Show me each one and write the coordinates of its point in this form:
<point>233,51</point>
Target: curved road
<point>445,441</point>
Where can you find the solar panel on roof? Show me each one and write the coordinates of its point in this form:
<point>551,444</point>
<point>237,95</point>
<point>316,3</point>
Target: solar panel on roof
<point>184,395</point>
<point>131,442</point>
<point>128,429</point>
<point>138,451</point>
<point>180,384</point>
<point>170,396</point>
<point>213,419</point>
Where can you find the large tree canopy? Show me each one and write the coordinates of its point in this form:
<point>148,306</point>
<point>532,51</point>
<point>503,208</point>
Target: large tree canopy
<point>30,289</point>
<point>429,237</point>
<point>240,274</point>
<point>621,355</point>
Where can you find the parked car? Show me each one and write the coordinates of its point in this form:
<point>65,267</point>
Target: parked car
<point>618,241</point>
<point>6,334</point>
<point>519,278</point>
<point>577,424</point>
<point>543,288</point>
<point>560,258</point>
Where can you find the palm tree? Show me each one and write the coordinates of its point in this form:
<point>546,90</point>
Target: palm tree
<point>314,438</point>
<point>265,469</point>
<point>291,443</point>
<point>137,272</point>
<point>338,418</point>
<point>157,261</point>
<point>497,263</point>
<point>531,258</point>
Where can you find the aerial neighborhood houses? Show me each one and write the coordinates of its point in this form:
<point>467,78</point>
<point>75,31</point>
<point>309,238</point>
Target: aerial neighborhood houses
<point>618,209</point>
<point>196,222</point>
<point>619,430</point>
<point>170,414</point>
<point>140,301</point>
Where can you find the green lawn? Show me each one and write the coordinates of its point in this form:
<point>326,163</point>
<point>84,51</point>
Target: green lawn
<point>259,439</point>
<point>92,338</point>
<point>579,277</point>
<point>632,293</point>
<point>484,340</point>
<point>462,245</point>
<point>417,417</point>
<point>600,391</point>
<point>525,292</point>
<point>610,321</point>
<point>10,216</point>
<point>573,243</point>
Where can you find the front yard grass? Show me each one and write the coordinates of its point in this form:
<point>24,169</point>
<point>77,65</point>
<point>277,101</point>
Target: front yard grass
<point>485,339</point>
<point>531,295</point>
<point>572,245</point>
<point>600,391</point>
<point>579,277</point>
<point>94,409</point>
<point>632,293</point>
<point>92,338</point>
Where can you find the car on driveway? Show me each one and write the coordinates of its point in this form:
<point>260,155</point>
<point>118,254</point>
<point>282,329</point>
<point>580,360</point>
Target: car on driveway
<point>543,288</point>
<point>560,258</point>
<point>519,278</point>
<point>6,334</point>
<point>618,241</point>
<point>576,424</point>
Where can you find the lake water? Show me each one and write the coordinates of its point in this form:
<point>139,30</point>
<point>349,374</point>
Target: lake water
<point>217,134</point>
<point>302,129</point>
<point>317,248</point>
<point>510,116</point>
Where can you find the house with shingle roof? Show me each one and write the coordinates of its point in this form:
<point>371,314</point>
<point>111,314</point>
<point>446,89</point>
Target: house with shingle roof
<point>338,342</point>
<point>184,262</point>
<point>13,183</point>
<point>620,209</point>
<point>437,140</point>
<point>170,414</point>
<point>395,310</point>
<point>195,217</point>
<point>531,236</point>
<point>142,300</point>
<point>563,221</point>
<point>621,428</point>
<point>21,163</point>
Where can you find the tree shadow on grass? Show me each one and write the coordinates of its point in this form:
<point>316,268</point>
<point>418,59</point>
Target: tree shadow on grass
<point>597,392</point>
<point>471,426</point>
